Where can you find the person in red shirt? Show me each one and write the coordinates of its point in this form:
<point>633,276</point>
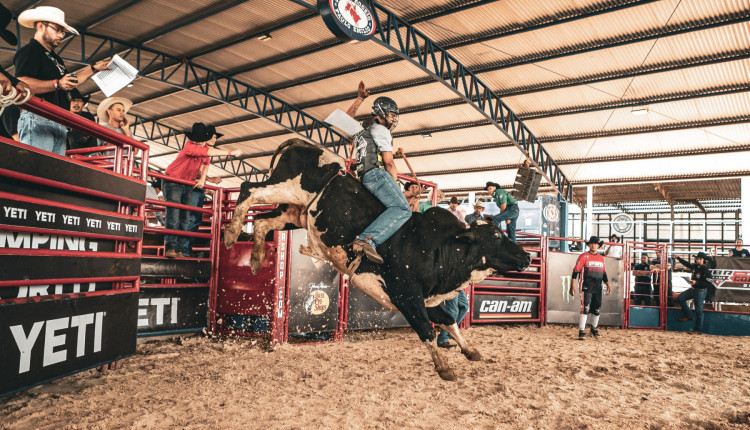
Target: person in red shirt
<point>188,166</point>
<point>592,265</point>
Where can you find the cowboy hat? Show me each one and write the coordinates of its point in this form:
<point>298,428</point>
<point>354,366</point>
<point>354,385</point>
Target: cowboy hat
<point>479,204</point>
<point>491,184</point>
<point>101,111</point>
<point>51,14</point>
<point>701,255</point>
<point>75,94</point>
<point>594,239</point>
<point>5,17</point>
<point>202,132</point>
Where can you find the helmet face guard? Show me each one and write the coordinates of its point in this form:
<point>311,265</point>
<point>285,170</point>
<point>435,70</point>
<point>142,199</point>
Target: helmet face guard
<point>387,109</point>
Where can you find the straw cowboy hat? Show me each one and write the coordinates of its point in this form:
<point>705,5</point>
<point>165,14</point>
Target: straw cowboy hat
<point>479,204</point>
<point>101,111</point>
<point>51,14</point>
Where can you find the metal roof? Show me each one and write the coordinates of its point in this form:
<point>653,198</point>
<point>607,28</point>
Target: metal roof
<point>576,73</point>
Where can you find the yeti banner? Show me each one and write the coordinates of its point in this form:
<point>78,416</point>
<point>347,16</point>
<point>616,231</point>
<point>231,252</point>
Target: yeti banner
<point>172,310</point>
<point>41,341</point>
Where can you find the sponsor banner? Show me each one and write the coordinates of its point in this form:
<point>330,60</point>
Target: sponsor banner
<point>313,291</point>
<point>19,240</point>
<point>348,19</point>
<point>41,341</point>
<point>17,157</point>
<point>562,308</point>
<point>25,214</point>
<point>493,307</point>
<point>31,267</point>
<point>732,279</point>
<point>172,309</point>
<point>49,289</point>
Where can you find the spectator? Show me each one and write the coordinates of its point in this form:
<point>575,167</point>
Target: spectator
<point>187,166</point>
<point>457,210</point>
<point>112,113</point>
<point>614,250</point>
<point>11,112</point>
<point>459,305</point>
<point>76,139</point>
<point>699,276</point>
<point>412,191</point>
<point>591,265</point>
<point>45,73</point>
<point>477,215</point>
<point>738,251</point>
<point>656,294</point>
<point>508,209</point>
<point>642,272</point>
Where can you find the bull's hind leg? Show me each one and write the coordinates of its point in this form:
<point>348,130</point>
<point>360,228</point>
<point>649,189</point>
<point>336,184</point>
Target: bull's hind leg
<point>284,217</point>
<point>446,322</point>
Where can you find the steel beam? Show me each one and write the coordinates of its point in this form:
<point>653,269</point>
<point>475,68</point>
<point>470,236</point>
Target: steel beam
<point>402,38</point>
<point>209,83</point>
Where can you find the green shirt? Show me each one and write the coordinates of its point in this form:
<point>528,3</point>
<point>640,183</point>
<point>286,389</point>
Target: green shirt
<point>502,196</point>
<point>423,206</point>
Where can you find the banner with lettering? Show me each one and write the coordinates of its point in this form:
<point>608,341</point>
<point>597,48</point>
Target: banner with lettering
<point>172,309</point>
<point>41,341</point>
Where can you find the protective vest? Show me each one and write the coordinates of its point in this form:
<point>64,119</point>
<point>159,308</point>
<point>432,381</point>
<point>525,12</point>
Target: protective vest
<point>368,154</point>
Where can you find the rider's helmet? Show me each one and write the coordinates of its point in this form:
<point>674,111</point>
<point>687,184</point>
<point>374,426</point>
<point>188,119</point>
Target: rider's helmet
<point>387,108</point>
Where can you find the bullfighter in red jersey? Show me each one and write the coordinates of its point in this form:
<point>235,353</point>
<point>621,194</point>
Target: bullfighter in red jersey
<point>591,264</point>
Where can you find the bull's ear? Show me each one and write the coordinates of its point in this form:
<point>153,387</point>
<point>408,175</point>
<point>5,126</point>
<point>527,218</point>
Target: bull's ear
<point>469,236</point>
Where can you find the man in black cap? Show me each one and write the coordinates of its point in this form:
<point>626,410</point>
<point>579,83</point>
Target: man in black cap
<point>76,139</point>
<point>191,163</point>
<point>591,263</point>
<point>508,209</point>
<point>700,284</point>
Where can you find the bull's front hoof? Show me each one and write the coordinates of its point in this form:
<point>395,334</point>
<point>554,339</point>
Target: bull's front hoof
<point>472,354</point>
<point>229,238</point>
<point>447,375</point>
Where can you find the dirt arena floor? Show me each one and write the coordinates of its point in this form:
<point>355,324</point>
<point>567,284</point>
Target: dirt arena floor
<point>531,378</point>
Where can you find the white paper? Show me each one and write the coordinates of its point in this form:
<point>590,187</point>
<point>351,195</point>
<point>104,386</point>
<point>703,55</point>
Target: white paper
<point>344,122</point>
<point>120,74</point>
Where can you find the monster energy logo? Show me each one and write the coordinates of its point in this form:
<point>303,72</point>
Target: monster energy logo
<point>566,280</point>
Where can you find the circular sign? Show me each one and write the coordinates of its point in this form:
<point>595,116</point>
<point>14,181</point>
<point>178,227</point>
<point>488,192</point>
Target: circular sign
<point>317,302</point>
<point>551,213</point>
<point>622,223</point>
<point>347,19</point>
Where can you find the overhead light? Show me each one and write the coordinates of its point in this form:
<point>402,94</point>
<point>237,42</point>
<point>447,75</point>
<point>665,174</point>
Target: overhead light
<point>264,36</point>
<point>639,110</point>
<point>427,136</point>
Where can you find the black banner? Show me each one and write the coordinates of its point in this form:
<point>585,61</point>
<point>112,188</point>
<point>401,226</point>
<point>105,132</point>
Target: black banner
<point>172,309</point>
<point>46,340</point>
<point>25,214</point>
<point>24,240</point>
<point>732,279</point>
<point>493,307</point>
<point>49,289</point>
<point>313,291</point>
<point>39,165</point>
<point>31,267</point>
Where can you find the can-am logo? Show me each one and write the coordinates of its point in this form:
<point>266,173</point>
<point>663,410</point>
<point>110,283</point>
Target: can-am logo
<point>350,19</point>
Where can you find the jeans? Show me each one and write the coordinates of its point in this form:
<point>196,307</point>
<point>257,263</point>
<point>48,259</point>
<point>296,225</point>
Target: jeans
<point>381,184</point>
<point>177,219</point>
<point>510,213</point>
<point>457,308</point>
<point>197,198</point>
<point>698,296</point>
<point>642,294</point>
<point>42,133</point>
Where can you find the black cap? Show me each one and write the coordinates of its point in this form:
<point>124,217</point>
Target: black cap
<point>74,94</point>
<point>5,17</point>
<point>701,255</point>
<point>202,133</point>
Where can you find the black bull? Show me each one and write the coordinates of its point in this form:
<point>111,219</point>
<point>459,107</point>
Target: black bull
<point>427,261</point>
